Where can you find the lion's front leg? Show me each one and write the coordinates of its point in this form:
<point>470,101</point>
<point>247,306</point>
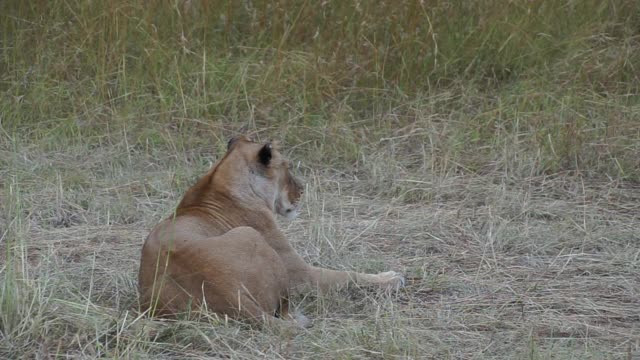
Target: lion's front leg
<point>303,276</point>
<point>326,279</point>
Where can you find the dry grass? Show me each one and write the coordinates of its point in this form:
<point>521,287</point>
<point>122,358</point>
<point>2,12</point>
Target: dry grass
<point>537,267</point>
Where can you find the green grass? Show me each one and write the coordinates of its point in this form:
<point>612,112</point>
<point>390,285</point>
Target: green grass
<point>490,149</point>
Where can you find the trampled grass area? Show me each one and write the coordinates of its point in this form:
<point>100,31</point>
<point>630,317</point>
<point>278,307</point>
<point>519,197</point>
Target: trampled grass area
<point>489,150</point>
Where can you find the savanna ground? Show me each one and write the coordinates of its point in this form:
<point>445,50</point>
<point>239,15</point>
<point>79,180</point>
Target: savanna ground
<point>489,150</point>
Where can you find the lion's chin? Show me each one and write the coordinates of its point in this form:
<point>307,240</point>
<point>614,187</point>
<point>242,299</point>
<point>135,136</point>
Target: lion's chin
<point>291,214</point>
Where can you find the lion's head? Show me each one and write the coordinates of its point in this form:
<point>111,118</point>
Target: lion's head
<point>262,170</point>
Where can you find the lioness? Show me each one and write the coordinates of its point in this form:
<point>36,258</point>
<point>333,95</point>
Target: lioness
<point>222,248</point>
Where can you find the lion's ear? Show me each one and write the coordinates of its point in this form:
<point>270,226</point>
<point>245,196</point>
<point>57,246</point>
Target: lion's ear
<point>232,141</point>
<point>265,154</point>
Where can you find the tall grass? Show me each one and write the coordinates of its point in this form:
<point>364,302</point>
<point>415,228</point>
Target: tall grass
<point>413,45</point>
<point>559,78</point>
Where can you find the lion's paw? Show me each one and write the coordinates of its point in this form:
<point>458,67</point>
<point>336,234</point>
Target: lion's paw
<point>391,280</point>
<point>302,321</point>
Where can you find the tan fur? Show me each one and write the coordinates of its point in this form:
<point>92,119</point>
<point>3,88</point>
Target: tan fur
<point>222,249</point>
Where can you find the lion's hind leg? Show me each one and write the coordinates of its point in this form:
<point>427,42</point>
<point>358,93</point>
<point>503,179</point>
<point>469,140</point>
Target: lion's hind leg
<point>239,275</point>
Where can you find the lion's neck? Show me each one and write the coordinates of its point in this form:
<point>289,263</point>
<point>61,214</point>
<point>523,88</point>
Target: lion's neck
<point>224,209</point>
